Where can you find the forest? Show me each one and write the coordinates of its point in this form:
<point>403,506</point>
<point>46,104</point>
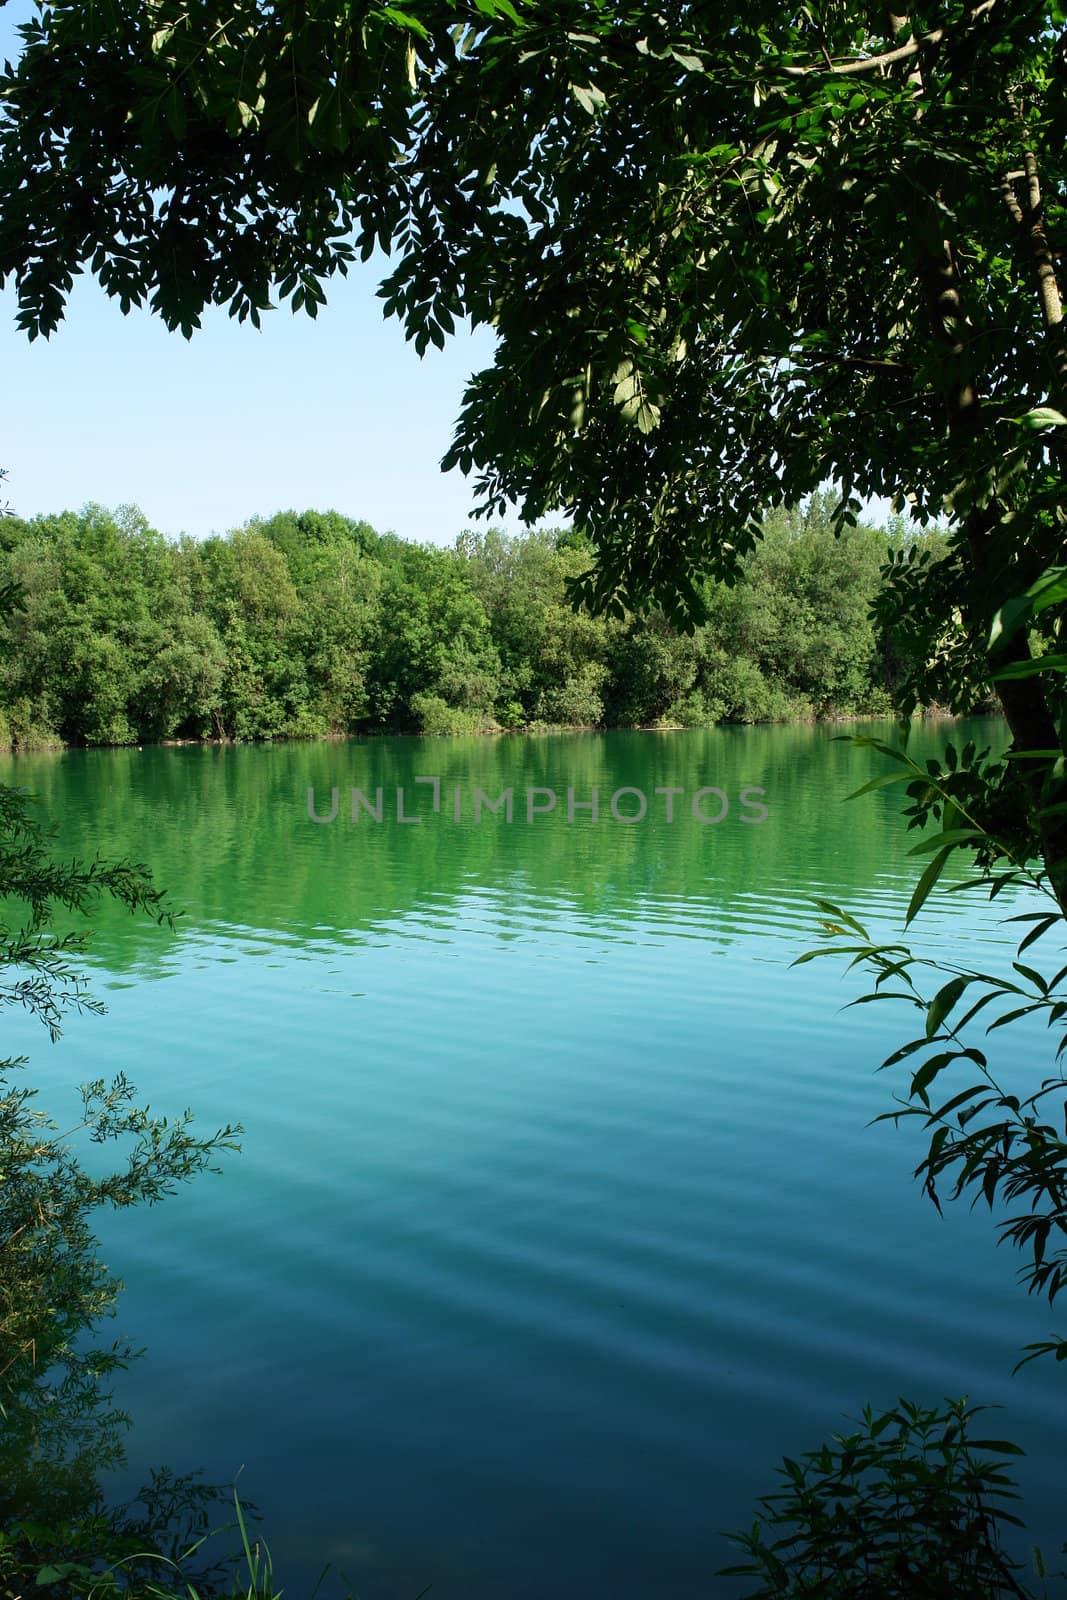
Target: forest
<point>312,625</point>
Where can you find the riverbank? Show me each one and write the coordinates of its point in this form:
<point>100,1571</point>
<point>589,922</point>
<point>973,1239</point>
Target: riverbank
<point>923,714</point>
<point>51,743</point>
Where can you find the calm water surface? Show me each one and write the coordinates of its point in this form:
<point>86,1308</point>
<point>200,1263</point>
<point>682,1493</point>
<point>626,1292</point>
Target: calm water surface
<point>558,1220</point>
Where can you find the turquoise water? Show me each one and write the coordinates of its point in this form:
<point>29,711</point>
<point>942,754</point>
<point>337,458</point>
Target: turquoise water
<point>558,1219</point>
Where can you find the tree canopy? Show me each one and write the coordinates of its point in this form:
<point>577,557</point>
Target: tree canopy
<point>731,252</point>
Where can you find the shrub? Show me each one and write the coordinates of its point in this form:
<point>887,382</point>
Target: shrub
<point>903,1509</point>
<point>435,716</point>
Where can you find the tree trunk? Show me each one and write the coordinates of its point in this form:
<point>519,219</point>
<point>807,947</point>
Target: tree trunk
<point>1023,700</point>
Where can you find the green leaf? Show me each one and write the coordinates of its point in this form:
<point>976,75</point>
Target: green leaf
<point>1040,418</point>
<point>904,1051</point>
<point>1014,1016</point>
<point>404,19</point>
<point>1054,661</point>
<point>929,1071</point>
<point>828,950</point>
<point>864,741</point>
<point>943,1002</point>
<point>834,911</point>
<point>1042,927</point>
<point>930,876</point>
<point>961,1099</point>
<point>1048,590</point>
<point>881,782</point>
<point>947,840</point>
<point>589,97</point>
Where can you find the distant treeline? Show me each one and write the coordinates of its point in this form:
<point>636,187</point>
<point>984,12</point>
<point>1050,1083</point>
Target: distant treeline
<point>306,625</point>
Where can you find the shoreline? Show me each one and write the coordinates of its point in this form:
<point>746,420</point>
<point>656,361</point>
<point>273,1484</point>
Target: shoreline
<point>925,714</point>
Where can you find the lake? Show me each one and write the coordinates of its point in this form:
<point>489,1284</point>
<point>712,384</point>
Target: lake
<point>558,1219</point>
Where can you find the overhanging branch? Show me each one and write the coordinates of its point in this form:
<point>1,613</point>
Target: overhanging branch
<point>888,58</point>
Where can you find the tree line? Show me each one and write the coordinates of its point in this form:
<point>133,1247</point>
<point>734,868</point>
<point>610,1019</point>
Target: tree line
<point>310,625</point>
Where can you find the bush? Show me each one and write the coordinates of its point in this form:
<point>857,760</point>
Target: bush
<point>746,695</point>
<point>693,711</point>
<point>20,730</point>
<point>576,703</point>
<point>435,716</point>
<point>306,724</point>
<point>904,1509</point>
<point>512,714</point>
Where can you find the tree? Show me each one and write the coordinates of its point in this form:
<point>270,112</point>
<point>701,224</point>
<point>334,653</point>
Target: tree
<point>432,652</point>
<point>819,638</point>
<point>731,253</point>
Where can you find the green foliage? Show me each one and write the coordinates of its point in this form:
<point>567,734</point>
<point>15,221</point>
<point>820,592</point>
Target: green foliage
<point>904,1515</point>
<point>724,249</point>
<point>312,625</point>
<point>990,1133</point>
<point>431,639</point>
<point>731,254</point>
<point>434,715</point>
<point>60,1429</point>
<point>820,641</point>
<point>909,1507</point>
<point>154,1553</point>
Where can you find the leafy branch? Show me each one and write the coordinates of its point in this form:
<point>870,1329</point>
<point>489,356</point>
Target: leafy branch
<point>910,1506</point>
<point>987,1139</point>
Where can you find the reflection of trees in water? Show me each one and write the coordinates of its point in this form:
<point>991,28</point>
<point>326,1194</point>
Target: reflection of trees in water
<point>227,828</point>
<point>59,1431</point>
<point>56,1447</point>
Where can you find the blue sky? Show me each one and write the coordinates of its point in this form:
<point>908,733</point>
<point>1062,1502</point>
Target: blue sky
<point>338,413</point>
